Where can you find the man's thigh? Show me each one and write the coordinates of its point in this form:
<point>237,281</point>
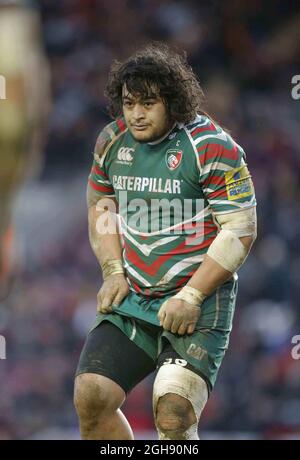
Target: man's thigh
<point>170,356</point>
<point>202,352</point>
<point>109,352</point>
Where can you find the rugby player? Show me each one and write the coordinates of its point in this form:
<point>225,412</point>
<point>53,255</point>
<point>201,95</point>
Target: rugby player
<point>170,282</point>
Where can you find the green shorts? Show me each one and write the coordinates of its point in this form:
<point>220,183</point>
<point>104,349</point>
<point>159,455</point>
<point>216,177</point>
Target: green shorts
<point>204,349</point>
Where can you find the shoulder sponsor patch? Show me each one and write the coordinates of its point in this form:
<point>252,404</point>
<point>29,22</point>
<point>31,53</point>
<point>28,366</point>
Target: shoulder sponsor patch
<point>238,183</point>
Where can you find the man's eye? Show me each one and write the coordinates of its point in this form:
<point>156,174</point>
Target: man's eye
<point>128,104</point>
<point>148,104</point>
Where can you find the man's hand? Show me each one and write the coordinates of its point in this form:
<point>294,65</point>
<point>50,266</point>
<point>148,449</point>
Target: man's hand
<point>178,316</point>
<point>114,289</point>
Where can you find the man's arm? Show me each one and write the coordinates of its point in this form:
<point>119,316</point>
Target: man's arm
<point>105,242</point>
<point>103,228</point>
<point>225,255</point>
<point>210,275</point>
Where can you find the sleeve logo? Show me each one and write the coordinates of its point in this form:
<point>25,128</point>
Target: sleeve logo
<point>238,183</point>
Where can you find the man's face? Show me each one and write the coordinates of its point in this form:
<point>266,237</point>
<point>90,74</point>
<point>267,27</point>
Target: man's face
<point>147,119</point>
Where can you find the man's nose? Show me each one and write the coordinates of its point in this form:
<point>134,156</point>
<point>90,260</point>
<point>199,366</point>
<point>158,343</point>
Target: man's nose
<point>138,112</point>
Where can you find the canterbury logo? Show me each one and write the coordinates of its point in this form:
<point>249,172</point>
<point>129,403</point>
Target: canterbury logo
<point>124,154</point>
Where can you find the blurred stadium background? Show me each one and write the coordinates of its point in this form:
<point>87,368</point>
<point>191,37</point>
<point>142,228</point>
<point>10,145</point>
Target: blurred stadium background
<point>245,54</point>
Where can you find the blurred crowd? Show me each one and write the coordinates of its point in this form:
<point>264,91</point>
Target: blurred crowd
<point>245,54</point>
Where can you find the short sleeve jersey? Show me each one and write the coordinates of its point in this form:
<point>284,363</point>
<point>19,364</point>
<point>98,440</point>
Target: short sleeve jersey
<point>169,193</point>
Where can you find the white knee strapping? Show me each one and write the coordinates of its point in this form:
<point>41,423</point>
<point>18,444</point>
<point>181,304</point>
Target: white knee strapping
<point>173,378</point>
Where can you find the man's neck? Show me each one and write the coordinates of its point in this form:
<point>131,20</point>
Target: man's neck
<point>164,136</point>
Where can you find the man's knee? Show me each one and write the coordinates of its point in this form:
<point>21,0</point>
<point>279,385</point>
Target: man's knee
<point>174,416</point>
<point>95,395</point>
<point>179,396</point>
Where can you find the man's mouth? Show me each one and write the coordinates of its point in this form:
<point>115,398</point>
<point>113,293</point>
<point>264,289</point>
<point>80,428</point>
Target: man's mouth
<point>140,127</point>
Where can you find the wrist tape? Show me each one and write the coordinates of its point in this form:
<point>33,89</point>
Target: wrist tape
<point>112,267</point>
<point>191,295</point>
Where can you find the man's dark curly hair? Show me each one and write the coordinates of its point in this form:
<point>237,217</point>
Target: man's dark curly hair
<point>157,67</point>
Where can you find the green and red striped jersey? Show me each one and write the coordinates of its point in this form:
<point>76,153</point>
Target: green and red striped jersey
<point>168,194</point>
